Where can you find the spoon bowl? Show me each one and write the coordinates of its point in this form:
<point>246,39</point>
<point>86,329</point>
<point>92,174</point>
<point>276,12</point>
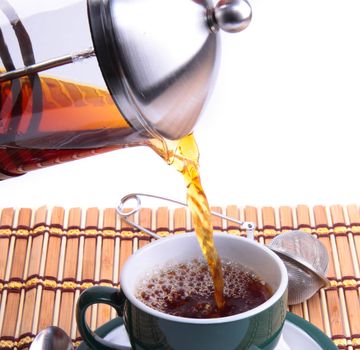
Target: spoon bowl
<point>52,338</point>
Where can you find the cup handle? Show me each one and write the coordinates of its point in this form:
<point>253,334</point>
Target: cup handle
<point>98,295</point>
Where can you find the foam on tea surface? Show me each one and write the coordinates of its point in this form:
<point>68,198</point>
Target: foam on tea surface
<point>187,290</point>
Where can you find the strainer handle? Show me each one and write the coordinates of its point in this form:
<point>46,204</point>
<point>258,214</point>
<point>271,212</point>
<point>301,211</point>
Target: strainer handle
<point>249,226</point>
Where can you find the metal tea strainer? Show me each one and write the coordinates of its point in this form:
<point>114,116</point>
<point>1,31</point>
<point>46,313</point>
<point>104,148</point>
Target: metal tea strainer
<point>306,260</point>
<point>304,256</point>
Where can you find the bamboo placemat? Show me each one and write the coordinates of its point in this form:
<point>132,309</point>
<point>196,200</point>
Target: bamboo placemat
<point>49,255</point>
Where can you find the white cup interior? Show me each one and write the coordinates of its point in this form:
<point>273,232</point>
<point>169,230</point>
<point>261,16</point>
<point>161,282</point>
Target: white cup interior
<point>258,258</point>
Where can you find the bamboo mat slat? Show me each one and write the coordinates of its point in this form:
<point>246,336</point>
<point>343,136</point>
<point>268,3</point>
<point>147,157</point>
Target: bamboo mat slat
<point>50,255</point>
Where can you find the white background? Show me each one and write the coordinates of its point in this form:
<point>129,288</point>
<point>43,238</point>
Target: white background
<point>281,127</point>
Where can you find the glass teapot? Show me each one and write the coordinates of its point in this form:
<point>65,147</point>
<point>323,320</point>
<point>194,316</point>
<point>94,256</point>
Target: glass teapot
<point>81,77</point>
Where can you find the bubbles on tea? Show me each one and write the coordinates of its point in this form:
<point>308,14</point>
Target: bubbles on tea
<point>187,290</point>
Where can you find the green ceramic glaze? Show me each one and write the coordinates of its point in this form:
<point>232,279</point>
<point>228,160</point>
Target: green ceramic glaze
<point>97,295</point>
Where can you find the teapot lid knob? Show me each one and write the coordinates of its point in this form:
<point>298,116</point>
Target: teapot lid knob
<point>231,15</point>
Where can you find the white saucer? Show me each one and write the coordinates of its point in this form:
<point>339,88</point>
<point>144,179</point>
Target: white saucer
<point>297,334</point>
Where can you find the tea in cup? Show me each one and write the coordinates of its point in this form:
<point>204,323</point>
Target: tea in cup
<point>186,289</point>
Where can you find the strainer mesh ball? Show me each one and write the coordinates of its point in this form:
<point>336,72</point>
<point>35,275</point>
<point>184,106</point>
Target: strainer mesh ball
<point>306,260</point>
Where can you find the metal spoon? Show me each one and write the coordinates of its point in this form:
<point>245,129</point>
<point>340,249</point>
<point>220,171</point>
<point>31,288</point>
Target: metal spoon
<point>52,338</point>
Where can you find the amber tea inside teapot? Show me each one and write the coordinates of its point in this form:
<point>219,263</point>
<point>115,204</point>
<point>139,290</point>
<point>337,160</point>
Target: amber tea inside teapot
<point>81,77</point>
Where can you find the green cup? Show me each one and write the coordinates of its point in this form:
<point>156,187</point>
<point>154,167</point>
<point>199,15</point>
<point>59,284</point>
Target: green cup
<point>258,328</point>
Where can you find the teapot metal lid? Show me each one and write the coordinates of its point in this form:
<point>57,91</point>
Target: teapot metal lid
<point>159,58</point>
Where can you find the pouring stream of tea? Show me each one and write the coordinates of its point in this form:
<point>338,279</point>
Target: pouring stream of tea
<point>184,157</point>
